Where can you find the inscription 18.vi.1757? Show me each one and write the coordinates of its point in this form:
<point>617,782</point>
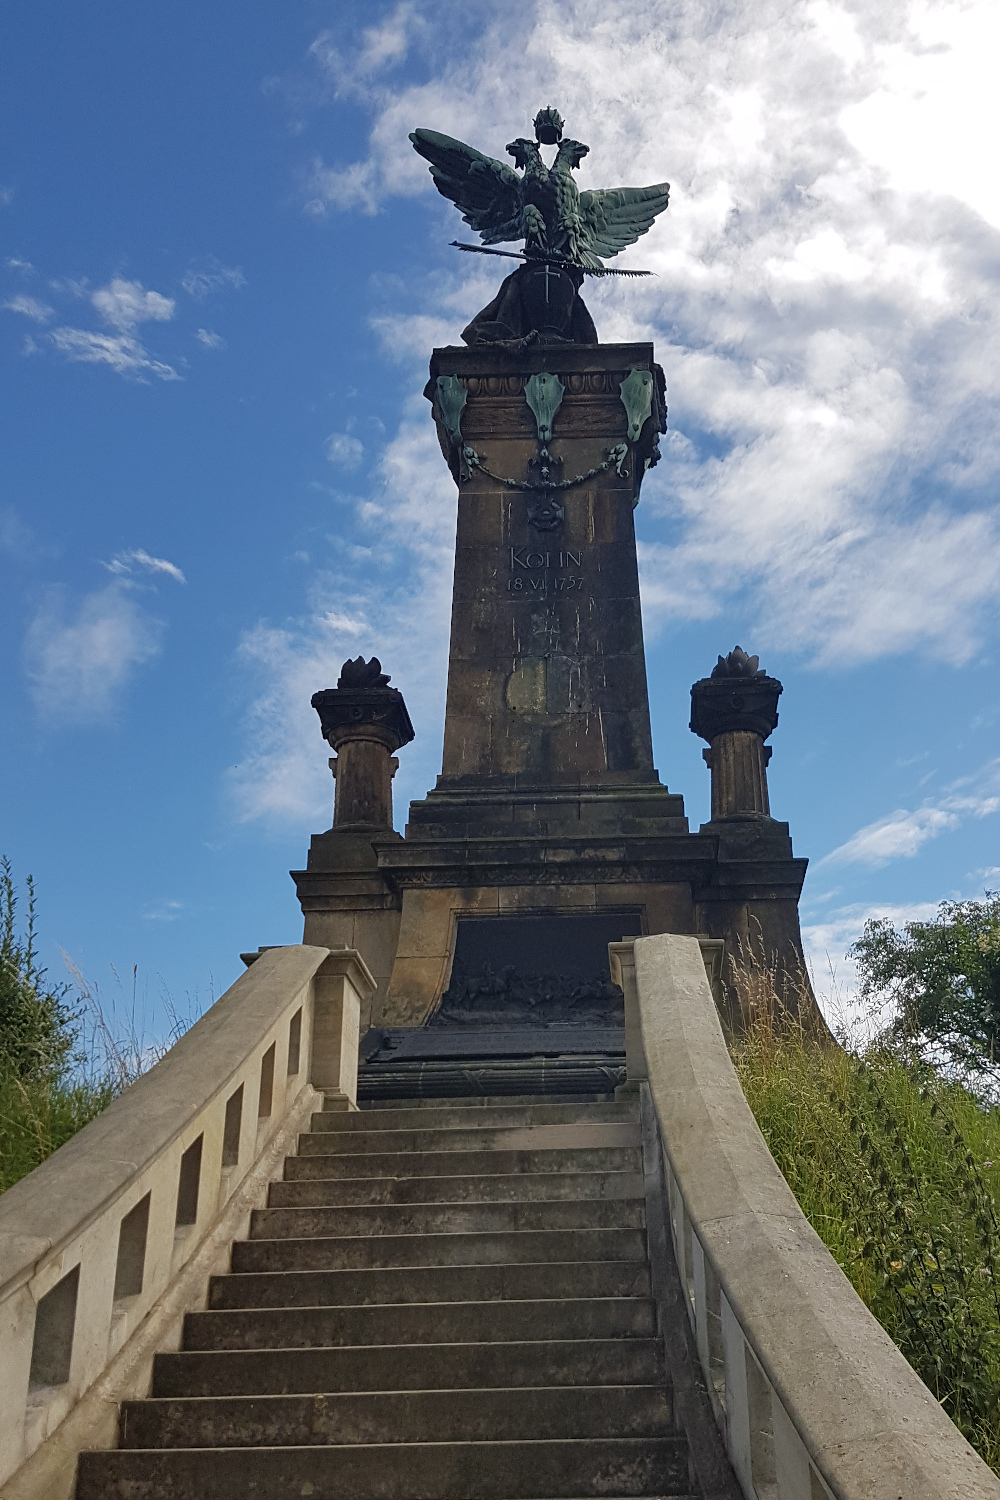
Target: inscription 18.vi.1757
<point>534,570</point>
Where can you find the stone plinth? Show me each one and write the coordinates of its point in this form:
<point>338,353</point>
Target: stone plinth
<point>345,900</point>
<point>548,803</point>
<point>752,901</point>
<point>546,673</point>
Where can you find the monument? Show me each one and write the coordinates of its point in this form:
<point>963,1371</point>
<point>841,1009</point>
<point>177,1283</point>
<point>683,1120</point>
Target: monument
<point>549,832</point>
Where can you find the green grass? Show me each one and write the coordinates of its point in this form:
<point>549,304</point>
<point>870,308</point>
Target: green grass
<point>897,1169</point>
<point>38,1114</point>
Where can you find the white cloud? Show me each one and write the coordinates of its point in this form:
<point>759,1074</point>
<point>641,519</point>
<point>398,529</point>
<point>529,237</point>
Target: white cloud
<point>411,517</point>
<point>901,834</point>
<point>30,307</point>
<point>343,450</point>
<point>826,943</point>
<point>210,340</point>
<point>897,836</point>
<point>830,330</point>
<point>125,304</point>
<point>79,660</point>
<point>15,263</point>
<point>123,564</point>
<point>828,318</point>
<point>163,911</point>
<point>211,276</point>
<point>936,107</point>
<point>124,354</point>
<point>352,72</point>
<point>354,187</point>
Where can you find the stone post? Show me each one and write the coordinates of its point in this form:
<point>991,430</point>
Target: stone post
<point>342,987</point>
<point>365,721</point>
<point>735,710</point>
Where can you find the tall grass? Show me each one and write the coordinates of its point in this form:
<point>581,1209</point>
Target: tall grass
<point>37,1115</point>
<point>108,1049</point>
<point>897,1168</point>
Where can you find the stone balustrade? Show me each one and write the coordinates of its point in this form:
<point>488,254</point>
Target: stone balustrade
<point>105,1246</point>
<point>812,1398</point>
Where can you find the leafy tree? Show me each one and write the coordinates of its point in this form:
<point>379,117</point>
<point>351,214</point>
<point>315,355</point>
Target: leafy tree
<point>36,1024</point>
<point>943,978</point>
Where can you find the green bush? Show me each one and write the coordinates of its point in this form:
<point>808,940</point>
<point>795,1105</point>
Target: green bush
<point>36,1025</point>
<point>59,1067</point>
<point>37,1115</point>
<point>941,980</point>
<point>897,1169</point>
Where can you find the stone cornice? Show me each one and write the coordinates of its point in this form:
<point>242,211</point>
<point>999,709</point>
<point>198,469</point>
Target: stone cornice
<point>721,705</point>
<point>363,713</point>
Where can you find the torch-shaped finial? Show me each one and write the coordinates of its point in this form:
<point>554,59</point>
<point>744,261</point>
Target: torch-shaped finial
<point>365,721</point>
<point>735,710</point>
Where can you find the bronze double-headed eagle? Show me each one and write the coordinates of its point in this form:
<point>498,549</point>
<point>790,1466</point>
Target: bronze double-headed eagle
<point>567,234</point>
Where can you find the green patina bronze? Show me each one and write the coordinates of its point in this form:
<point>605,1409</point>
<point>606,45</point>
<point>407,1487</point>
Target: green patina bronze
<point>567,234</point>
<point>451,395</point>
<point>637,399</point>
<point>544,394</point>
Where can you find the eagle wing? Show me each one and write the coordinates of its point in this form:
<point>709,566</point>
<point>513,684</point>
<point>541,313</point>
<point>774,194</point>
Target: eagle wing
<point>487,192</point>
<point>615,217</point>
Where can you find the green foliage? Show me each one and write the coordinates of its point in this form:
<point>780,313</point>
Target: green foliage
<point>943,981</point>
<point>38,1114</point>
<point>897,1168</point>
<point>58,1067</point>
<point>36,1025</point>
<point>41,1104</point>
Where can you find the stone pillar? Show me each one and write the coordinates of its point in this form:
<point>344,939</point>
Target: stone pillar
<point>735,710</point>
<point>365,721</point>
<point>346,900</point>
<point>547,673</point>
<point>752,898</point>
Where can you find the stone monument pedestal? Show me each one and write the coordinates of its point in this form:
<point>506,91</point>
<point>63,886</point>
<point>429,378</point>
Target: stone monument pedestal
<point>548,805</point>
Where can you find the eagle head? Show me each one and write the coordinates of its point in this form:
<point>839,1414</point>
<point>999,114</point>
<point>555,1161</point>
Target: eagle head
<point>524,152</point>
<point>571,153</point>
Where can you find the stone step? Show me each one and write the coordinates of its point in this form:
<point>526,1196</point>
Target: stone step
<point>479,1101</point>
<point>326,1137</point>
<point>578,1468</point>
<point>421,1323</point>
<point>397,1417</point>
<point>443,1218</point>
<point>389,1367</point>
<point>457,1116</point>
<point>514,1187</point>
<point>461,1163</point>
<point>359,1252</point>
<point>611,1278</point>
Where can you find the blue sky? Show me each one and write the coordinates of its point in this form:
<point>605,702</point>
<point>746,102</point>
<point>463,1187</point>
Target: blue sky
<point>222,271</point>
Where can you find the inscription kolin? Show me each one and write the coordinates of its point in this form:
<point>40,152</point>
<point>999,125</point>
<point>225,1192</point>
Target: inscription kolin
<point>532,570</point>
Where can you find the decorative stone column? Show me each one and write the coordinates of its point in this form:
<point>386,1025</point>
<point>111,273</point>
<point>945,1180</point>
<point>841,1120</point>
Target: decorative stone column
<point>365,721</point>
<point>735,710</point>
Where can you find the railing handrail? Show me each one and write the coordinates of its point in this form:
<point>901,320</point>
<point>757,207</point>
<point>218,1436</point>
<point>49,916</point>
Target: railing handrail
<point>74,1186</point>
<point>847,1411</point>
<point>107,1245</point>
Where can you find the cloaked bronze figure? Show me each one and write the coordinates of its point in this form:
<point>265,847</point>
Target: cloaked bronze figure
<point>567,234</point>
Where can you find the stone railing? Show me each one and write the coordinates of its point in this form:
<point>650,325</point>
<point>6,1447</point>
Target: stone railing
<point>105,1246</point>
<point>811,1396</point>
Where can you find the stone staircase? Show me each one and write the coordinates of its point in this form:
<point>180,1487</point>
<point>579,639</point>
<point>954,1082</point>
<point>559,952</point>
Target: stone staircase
<point>443,1302</point>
